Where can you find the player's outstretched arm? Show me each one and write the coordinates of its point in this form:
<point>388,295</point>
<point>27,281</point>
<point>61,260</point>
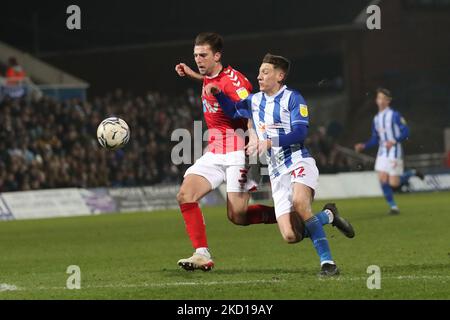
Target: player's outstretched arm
<point>372,142</point>
<point>231,108</point>
<point>184,70</point>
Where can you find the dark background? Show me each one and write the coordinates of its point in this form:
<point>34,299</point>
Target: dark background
<point>134,45</point>
<point>39,26</point>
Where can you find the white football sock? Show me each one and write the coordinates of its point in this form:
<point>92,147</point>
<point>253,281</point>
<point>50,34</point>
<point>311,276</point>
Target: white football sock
<point>330,215</point>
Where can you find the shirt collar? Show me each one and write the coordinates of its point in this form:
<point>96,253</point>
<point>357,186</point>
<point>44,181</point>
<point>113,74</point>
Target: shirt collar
<point>385,110</point>
<point>276,94</point>
<point>216,75</point>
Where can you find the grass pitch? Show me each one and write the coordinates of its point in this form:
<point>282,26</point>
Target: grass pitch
<point>133,256</point>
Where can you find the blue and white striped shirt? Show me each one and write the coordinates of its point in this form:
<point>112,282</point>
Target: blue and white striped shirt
<point>273,117</point>
<point>388,125</point>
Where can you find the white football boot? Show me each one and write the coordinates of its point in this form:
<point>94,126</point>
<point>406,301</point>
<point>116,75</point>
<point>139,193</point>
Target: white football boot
<point>197,261</point>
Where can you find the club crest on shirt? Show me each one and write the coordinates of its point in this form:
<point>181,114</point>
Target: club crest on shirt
<point>303,110</point>
<point>242,93</point>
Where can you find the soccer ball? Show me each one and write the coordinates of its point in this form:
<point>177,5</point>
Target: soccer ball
<point>113,133</point>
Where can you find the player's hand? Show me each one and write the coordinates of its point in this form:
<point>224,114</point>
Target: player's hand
<point>359,147</point>
<point>211,89</point>
<point>179,68</point>
<point>389,144</point>
<point>184,70</point>
<point>252,145</point>
<point>263,146</point>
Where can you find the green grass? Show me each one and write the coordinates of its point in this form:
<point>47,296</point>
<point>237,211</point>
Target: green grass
<point>133,256</point>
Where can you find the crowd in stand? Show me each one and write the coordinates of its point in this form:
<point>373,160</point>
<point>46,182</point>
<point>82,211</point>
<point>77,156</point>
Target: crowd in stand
<point>50,144</point>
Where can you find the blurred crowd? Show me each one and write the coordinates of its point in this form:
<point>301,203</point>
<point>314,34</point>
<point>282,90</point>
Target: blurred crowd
<point>50,144</point>
<point>322,143</point>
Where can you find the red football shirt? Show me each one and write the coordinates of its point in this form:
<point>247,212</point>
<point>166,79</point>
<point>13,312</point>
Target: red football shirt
<point>221,128</point>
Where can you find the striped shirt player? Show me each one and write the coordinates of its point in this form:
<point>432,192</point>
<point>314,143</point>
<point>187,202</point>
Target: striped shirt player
<point>280,119</point>
<point>274,117</point>
<point>388,125</point>
<point>389,130</point>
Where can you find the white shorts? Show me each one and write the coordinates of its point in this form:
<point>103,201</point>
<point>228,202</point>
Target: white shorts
<point>305,172</point>
<point>393,167</point>
<point>219,168</point>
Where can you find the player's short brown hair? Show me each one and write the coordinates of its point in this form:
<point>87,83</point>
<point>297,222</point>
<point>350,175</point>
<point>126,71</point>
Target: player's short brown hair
<point>278,62</point>
<point>214,40</point>
<point>384,91</point>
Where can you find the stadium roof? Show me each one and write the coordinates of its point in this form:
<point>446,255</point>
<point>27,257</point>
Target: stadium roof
<point>40,26</point>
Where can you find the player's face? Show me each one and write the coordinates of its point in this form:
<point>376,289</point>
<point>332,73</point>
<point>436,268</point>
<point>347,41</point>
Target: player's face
<point>269,78</point>
<point>206,59</point>
<point>382,101</point>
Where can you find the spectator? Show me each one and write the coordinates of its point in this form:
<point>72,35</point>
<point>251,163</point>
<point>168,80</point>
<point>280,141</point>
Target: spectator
<point>14,73</point>
<point>15,77</point>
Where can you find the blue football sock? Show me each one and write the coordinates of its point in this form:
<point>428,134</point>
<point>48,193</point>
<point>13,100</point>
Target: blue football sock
<point>319,239</point>
<point>404,179</point>
<point>323,218</point>
<point>388,194</point>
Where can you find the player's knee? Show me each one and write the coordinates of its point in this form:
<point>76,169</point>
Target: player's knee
<point>394,182</point>
<point>184,197</point>
<point>383,179</point>
<point>237,214</point>
<point>238,219</point>
<point>291,238</point>
<point>394,185</point>
<point>301,207</point>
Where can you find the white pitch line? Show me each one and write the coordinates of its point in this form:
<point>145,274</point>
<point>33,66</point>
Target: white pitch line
<point>405,277</point>
<point>180,284</point>
<point>7,287</point>
<point>158,285</point>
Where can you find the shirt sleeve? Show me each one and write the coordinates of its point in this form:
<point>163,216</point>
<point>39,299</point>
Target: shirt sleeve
<point>297,135</point>
<point>236,86</point>
<point>404,129</point>
<point>234,109</point>
<point>298,109</point>
<point>374,138</point>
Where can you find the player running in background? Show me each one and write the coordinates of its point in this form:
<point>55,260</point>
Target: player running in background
<point>281,121</point>
<point>225,157</point>
<point>389,130</point>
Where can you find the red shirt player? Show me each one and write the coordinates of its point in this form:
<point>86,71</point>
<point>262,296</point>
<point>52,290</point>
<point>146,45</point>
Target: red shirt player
<point>222,129</point>
<point>224,160</point>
